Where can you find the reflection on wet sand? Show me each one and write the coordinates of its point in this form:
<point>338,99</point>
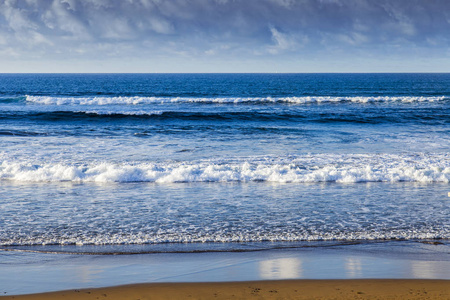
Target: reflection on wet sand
<point>86,273</point>
<point>282,268</point>
<point>353,267</point>
<point>429,269</point>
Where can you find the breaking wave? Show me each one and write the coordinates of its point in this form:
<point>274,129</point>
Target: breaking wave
<point>305,169</point>
<point>136,100</point>
<point>248,236</point>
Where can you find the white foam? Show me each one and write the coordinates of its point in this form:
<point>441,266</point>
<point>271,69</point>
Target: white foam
<point>136,100</point>
<point>307,169</point>
<point>122,112</point>
<point>224,237</point>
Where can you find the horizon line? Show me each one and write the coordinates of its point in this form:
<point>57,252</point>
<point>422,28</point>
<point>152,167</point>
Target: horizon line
<point>187,73</point>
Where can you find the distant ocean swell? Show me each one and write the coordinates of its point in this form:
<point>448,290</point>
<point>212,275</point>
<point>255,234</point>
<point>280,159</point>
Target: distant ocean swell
<point>95,100</point>
<point>429,116</point>
<point>307,169</point>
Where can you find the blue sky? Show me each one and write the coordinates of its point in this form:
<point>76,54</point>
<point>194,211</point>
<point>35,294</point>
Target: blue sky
<point>224,36</point>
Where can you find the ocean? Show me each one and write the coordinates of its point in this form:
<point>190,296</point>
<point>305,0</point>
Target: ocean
<point>161,163</point>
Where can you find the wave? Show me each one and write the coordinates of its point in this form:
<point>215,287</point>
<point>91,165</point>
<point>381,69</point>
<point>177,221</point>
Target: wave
<point>130,246</point>
<point>121,113</point>
<point>11,99</point>
<point>428,116</point>
<point>67,115</point>
<point>136,100</point>
<point>305,169</point>
<point>20,133</point>
<point>250,236</point>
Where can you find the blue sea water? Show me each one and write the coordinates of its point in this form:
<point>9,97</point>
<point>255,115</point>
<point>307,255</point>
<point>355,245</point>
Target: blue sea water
<point>222,162</point>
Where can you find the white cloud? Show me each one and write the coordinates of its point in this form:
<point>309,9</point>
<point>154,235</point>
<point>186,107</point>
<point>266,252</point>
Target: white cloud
<point>353,38</point>
<point>161,26</point>
<point>9,52</point>
<point>400,21</point>
<point>284,42</point>
<point>284,3</point>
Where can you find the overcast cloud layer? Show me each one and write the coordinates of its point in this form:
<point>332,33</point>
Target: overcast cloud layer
<point>224,35</point>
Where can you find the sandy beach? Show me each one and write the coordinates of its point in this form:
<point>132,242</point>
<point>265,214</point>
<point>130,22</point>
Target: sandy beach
<point>283,289</point>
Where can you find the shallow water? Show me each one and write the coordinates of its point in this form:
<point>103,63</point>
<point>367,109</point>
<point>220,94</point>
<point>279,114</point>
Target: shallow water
<point>149,213</point>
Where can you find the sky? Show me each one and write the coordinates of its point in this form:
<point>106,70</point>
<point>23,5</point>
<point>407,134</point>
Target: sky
<point>192,36</point>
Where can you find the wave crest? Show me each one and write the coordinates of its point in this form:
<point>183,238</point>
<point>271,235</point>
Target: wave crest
<point>308,169</point>
<point>136,100</point>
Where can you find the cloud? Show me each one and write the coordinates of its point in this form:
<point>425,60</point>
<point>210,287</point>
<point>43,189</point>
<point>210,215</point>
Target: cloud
<point>95,29</point>
<point>285,42</point>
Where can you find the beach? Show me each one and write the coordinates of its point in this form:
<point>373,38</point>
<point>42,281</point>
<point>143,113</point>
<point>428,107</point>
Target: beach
<point>284,289</point>
<point>400,265</point>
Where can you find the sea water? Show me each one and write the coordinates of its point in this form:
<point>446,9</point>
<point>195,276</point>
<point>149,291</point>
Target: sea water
<point>144,163</point>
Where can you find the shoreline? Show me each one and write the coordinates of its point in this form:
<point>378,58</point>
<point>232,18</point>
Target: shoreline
<point>278,289</point>
<point>34,273</point>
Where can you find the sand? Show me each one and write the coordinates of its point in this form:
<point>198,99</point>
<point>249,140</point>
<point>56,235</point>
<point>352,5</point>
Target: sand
<point>283,289</point>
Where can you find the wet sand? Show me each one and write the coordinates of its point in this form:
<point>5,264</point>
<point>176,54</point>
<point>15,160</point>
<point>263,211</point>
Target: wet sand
<point>282,289</point>
<point>372,266</point>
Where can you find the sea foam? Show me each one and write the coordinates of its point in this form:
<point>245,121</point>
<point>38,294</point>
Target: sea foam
<point>136,100</point>
<point>306,169</point>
